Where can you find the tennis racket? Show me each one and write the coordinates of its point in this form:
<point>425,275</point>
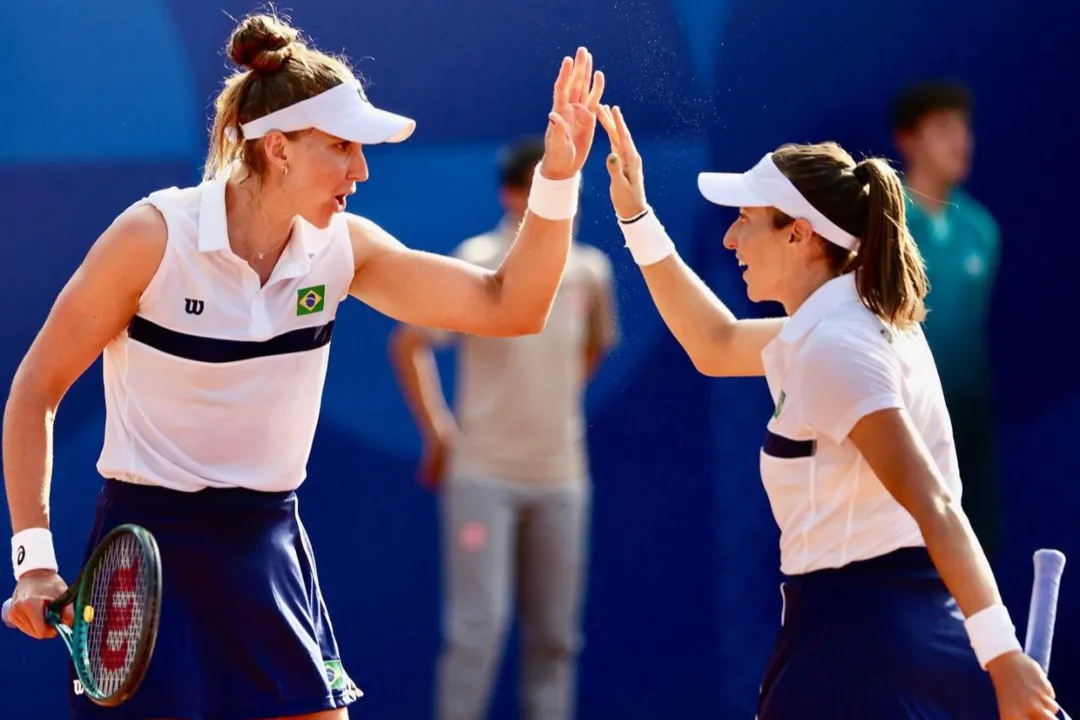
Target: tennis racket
<point>1049,566</point>
<point>117,601</point>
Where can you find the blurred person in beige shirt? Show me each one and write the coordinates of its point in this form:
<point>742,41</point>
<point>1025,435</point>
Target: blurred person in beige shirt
<point>512,467</point>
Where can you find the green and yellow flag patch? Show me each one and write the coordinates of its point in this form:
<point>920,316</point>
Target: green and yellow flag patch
<point>310,299</point>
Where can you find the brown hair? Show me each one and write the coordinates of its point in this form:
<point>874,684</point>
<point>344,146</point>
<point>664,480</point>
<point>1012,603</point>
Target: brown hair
<point>867,200</point>
<point>276,69</point>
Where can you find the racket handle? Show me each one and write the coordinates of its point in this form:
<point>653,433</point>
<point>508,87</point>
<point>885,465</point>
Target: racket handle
<point>1049,567</point>
<point>5,612</point>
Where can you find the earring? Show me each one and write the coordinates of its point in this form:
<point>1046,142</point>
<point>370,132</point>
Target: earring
<point>285,169</point>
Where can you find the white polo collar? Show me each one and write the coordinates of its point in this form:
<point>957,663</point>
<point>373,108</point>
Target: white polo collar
<point>834,293</point>
<point>305,240</point>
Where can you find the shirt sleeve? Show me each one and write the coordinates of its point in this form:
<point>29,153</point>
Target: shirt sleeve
<point>845,378</point>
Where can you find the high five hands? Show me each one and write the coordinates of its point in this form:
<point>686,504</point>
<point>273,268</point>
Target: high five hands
<point>572,120</point>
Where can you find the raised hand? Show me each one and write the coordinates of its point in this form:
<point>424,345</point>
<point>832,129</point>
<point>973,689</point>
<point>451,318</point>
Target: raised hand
<point>623,164</point>
<point>572,120</point>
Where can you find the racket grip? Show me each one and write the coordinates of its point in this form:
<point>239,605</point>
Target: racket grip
<point>1049,567</point>
<point>5,612</point>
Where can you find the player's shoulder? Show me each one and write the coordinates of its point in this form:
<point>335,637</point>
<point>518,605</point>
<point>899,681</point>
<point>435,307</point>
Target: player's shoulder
<point>183,201</point>
<point>849,332</point>
<point>142,224</point>
<point>131,249</point>
<point>171,213</point>
<point>359,223</point>
<point>363,232</point>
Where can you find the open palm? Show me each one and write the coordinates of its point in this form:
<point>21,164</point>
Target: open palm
<point>572,120</point>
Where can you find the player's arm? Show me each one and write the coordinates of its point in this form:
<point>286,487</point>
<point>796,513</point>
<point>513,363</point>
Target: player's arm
<point>853,390</point>
<point>888,441</point>
<point>94,306</point>
<point>423,288</point>
<point>717,342</point>
<point>603,330</point>
<point>895,452</point>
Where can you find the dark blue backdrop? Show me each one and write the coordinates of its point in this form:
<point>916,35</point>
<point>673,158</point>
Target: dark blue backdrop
<point>682,595</point>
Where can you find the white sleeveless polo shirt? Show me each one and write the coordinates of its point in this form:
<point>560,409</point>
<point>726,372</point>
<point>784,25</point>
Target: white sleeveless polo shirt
<point>217,382</point>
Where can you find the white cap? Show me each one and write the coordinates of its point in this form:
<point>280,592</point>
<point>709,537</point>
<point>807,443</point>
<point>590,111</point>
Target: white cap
<point>342,111</point>
<point>765,186</point>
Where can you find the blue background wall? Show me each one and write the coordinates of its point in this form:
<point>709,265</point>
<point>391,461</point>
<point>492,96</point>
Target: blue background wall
<point>682,596</point>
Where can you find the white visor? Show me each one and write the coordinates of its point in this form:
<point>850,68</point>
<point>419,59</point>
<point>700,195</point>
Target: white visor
<point>765,186</point>
<point>342,111</point>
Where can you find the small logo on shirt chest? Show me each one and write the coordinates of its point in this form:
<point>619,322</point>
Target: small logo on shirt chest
<point>310,300</point>
<point>779,404</point>
<point>193,307</point>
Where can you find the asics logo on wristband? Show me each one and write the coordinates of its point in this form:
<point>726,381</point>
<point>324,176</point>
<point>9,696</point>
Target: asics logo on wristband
<point>32,549</point>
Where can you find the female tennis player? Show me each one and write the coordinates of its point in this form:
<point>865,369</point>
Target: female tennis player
<point>214,306</point>
<point>858,462</point>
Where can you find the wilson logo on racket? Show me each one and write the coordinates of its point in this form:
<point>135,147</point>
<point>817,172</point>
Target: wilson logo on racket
<point>116,601</point>
<point>310,299</point>
<point>119,612</point>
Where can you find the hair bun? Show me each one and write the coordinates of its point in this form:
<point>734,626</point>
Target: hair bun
<point>862,172</point>
<point>261,43</point>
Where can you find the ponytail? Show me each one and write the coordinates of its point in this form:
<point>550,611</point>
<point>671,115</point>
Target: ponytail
<point>225,147</point>
<point>890,275</point>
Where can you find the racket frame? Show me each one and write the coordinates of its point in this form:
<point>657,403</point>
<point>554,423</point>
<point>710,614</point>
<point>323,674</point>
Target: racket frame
<point>76,637</point>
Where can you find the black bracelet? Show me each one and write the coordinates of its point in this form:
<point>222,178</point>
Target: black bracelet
<point>634,219</point>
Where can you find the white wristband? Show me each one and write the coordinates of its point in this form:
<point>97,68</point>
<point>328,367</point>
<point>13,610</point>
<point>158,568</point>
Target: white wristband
<point>992,633</point>
<point>646,238</point>
<point>32,549</point>
<point>554,199</point>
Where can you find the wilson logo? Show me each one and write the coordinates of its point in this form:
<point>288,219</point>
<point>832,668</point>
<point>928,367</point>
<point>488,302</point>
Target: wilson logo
<point>193,307</point>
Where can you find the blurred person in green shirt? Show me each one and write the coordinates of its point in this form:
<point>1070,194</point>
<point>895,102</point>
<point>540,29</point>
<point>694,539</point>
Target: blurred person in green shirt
<point>960,244</point>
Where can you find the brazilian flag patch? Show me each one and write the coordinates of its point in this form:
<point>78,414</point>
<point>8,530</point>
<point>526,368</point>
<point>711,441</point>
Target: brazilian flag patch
<point>310,299</point>
<point>335,674</point>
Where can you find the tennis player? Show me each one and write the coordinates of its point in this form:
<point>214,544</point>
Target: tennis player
<point>214,306</point>
<point>516,497</point>
<point>890,607</point>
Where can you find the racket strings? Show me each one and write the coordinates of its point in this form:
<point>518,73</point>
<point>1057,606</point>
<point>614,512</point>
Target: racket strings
<point>118,595</point>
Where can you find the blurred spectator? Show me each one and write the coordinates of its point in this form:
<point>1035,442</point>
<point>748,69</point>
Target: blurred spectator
<point>959,241</point>
<point>515,503</point>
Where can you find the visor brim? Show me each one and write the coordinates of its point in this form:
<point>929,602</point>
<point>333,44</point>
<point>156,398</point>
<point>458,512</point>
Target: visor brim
<point>371,127</point>
<point>729,190</point>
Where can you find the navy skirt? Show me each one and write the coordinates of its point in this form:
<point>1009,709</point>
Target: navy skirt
<point>244,632</point>
<point>881,638</point>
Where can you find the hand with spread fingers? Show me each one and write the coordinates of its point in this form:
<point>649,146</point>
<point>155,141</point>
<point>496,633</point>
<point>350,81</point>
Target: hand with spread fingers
<point>624,165</point>
<point>572,120</point>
